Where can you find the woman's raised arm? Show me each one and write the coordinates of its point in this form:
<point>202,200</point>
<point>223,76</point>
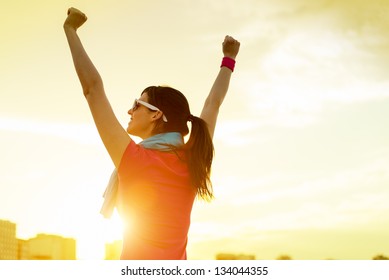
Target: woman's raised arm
<point>114,137</point>
<point>220,86</point>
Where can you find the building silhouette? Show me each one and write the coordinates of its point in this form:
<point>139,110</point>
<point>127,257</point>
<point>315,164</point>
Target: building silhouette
<point>224,256</point>
<point>50,247</point>
<point>23,253</point>
<point>113,250</point>
<point>8,241</point>
<point>41,247</point>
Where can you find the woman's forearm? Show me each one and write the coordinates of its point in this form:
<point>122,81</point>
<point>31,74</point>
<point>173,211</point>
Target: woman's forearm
<point>86,71</point>
<point>219,88</point>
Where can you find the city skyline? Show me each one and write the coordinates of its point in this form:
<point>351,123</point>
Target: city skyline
<point>27,251</point>
<point>41,247</point>
<point>302,141</point>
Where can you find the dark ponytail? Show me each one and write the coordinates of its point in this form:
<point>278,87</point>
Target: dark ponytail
<point>200,152</point>
<point>199,148</point>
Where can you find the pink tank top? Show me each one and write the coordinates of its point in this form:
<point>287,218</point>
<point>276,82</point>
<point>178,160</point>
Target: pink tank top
<point>155,203</point>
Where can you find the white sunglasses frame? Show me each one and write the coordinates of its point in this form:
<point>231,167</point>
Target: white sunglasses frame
<point>147,105</point>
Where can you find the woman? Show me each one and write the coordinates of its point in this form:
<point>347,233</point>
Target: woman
<point>160,177</point>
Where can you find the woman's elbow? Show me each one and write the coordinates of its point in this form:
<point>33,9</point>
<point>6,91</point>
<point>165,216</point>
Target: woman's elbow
<point>93,88</point>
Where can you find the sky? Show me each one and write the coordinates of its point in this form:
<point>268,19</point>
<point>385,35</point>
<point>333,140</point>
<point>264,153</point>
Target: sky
<point>302,141</point>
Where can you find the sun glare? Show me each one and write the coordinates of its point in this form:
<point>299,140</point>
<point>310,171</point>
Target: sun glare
<point>105,231</point>
<point>115,228</point>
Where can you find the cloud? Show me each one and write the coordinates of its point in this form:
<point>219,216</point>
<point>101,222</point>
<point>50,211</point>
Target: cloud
<point>346,198</point>
<point>305,56</point>
<point>80,133</point>
<point>235,132</point>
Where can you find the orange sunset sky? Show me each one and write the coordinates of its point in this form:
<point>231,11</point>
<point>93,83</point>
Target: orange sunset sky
<point>302,142</point>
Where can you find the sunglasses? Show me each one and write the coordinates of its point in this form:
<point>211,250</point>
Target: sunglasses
<point>138,102</point>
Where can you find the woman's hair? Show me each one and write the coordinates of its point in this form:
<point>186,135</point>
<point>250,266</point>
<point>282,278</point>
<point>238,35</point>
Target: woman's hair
<point>199,148</point>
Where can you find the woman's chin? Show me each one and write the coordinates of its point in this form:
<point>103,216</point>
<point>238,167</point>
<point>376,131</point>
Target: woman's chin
<point>129,130</point>
<point>132,132</point>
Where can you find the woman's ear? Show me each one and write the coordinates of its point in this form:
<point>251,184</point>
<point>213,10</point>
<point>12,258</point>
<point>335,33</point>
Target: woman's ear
<point>157,115</point>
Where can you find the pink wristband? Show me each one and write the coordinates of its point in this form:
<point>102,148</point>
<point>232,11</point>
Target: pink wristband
<point>228,62</point>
